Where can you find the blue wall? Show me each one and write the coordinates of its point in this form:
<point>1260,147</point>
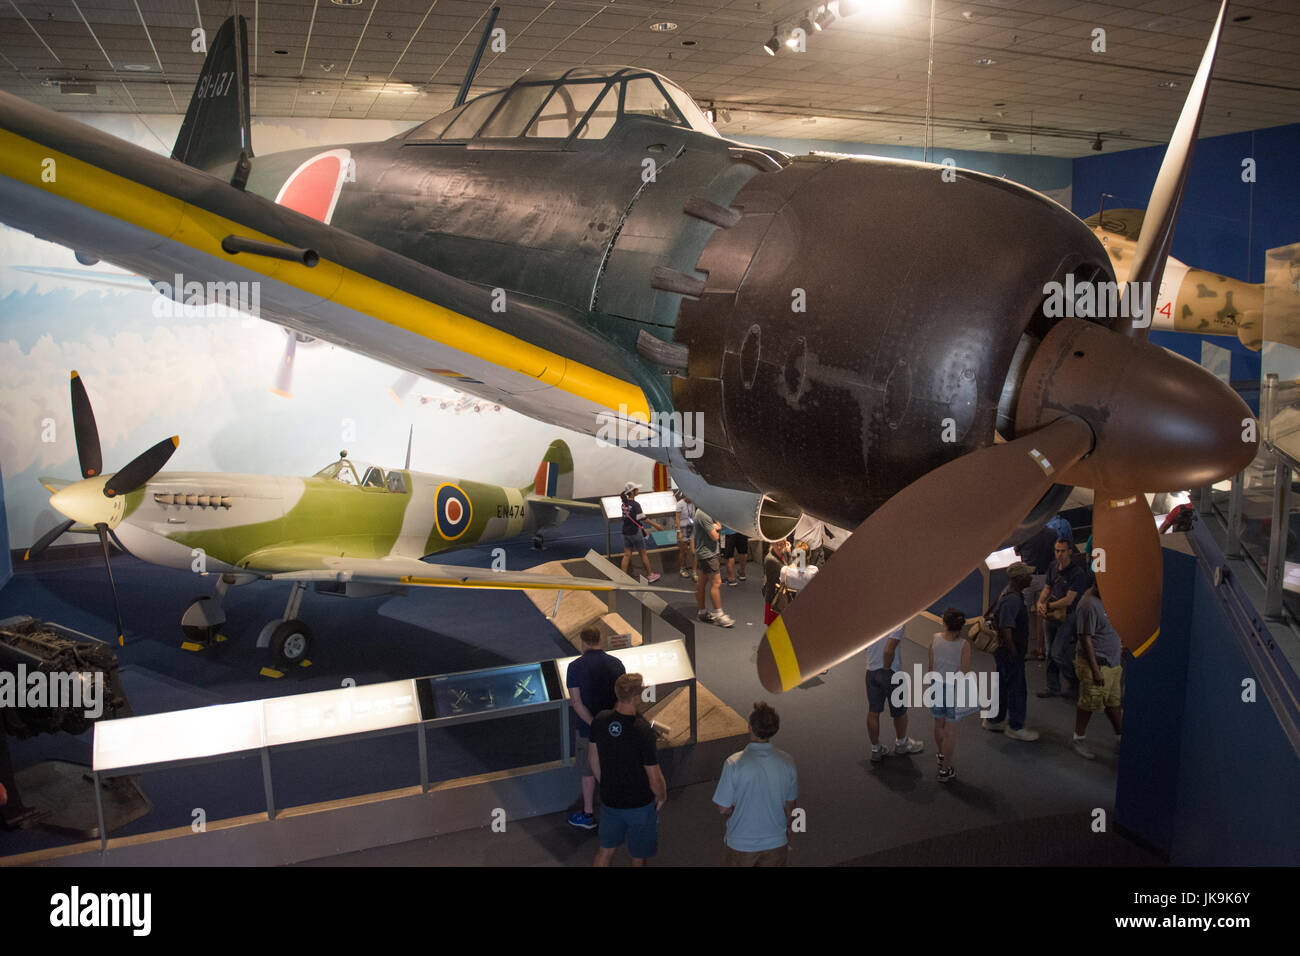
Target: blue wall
<point>1226,225</point>
<point>1205,777</point>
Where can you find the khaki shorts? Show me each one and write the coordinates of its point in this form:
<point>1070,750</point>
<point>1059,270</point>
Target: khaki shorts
<point>580,757</point>
<point>1097,697</point>
<point>778,857</point>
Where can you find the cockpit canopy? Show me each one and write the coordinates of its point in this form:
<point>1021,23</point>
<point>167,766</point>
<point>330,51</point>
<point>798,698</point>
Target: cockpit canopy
<point>579,103</point>
<point>346,472</point>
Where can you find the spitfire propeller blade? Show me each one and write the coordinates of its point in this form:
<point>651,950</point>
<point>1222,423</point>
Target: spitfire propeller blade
<point>85,430</point>
<point>117,607</point>
<point>835,616</point>
<point>141,468</point>
<point>47,539</point>
<point>1130,572</point>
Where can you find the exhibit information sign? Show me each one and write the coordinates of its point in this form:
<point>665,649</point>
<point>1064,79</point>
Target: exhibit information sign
<point>656,663</point>
<point>336,713</point>
<point>178,735</point>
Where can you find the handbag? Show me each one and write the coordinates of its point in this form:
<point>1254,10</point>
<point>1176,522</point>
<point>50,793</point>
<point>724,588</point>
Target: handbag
<point>782,598</point>
<point>982,635</point>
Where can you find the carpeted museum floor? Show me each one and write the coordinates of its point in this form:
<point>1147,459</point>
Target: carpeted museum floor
<point>1012,802</point>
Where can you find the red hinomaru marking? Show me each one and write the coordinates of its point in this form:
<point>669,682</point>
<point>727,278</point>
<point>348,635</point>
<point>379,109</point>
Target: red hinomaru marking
<point>313,188</point>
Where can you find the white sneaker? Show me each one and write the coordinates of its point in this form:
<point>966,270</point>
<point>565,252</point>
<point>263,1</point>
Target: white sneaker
<point>684,573</point>
<point>704,615</point>
<point>878,753</point>
<point>907,746</point>
<point>1024,733</point>
<point>990,725</point>
<point>1082,750</point>
<point>722,620</point>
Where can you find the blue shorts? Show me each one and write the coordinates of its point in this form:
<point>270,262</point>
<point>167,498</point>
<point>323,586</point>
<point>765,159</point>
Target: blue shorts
<point>633,542</point>
<point>640,827</point>
<point>952,713</point>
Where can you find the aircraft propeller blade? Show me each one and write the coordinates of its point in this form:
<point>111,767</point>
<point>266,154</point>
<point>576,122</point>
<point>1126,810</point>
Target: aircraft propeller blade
<point>117,607</point>
<point>402,386</point>
<point>835,616</point>
<point>1166,196</point>
<point>48,539</point>
<point>284,372</point>
<point>141,468</point>
<point>1129,568</point>
<point>85,430</point>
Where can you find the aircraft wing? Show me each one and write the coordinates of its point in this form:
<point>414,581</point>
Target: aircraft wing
<point>155,216</point>
<point>305,564</point>
<point>569,503</point>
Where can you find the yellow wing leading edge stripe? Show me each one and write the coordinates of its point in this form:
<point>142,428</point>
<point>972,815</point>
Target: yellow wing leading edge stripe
<point>23,160</point>
<point>787,665</point>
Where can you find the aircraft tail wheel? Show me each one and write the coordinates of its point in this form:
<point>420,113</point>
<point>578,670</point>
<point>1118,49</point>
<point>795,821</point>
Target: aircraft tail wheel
<point>290,643</point>
<point>194,632</point>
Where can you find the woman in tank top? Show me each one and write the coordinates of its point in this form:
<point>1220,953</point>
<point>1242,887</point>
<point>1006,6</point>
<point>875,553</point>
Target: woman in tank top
<point>949,656</point>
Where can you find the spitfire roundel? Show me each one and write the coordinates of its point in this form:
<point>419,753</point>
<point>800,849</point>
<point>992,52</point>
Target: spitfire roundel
<point>454,511</point>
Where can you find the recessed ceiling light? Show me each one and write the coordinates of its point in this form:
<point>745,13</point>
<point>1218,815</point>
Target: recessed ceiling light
<point>137,67</point>
<point>282,52</point>
<point>1245,17</point>
<point>1168,84</point>
<point>985,61</point>
<point>346,3</point>
<point>999,103</point>
<point>688,43</point>
<point>663,26</point>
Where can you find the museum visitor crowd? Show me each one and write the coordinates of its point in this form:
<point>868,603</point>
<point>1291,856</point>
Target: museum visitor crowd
<point>1049,611</point>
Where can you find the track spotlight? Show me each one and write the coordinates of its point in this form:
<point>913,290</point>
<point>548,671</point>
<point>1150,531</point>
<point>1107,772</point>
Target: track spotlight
<point>824,18</point>
<point>807,26</point>
<point>772,45</point>
<point>1096,144</point>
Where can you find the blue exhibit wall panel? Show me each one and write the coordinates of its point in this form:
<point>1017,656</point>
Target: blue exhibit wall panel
<point>1209,779</point>
<point>1146,791</point>
<point>1226,225</point>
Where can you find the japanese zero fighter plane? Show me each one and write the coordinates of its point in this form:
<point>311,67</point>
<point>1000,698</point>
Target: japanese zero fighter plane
<point>844,336</point>
<point>349,529</point>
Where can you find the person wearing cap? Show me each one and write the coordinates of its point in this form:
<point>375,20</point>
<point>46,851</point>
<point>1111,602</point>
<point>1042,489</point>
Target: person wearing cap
<point>1011,618</point>
<point>634,530</point>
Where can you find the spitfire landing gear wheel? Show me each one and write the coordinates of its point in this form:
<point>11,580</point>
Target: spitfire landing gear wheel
<point>290,642</point>
<point>539,544</point>
<point>197,633</point>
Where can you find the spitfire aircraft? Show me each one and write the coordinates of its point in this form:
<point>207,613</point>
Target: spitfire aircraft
<point>852,336</point>
<point>349,529</point>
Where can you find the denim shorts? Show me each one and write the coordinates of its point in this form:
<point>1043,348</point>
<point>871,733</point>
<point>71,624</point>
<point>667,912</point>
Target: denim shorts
<point>639,826</point>
<point>633,542</point>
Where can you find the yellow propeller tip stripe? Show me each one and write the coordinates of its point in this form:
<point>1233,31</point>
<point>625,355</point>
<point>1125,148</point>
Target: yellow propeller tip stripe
<point>787,664</point>
<point>27,555</point>
<point>1147,644</point>
<point>176,441</point>
<point>74,374</point>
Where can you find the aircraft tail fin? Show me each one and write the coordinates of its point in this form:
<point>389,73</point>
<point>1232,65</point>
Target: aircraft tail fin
<point>216,133</point>
<point>554,477</point>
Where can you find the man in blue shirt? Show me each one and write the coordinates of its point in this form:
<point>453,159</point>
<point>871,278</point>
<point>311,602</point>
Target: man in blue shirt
<point>1065,582</point>
<point>591,689</point>
<point>757,793</point>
